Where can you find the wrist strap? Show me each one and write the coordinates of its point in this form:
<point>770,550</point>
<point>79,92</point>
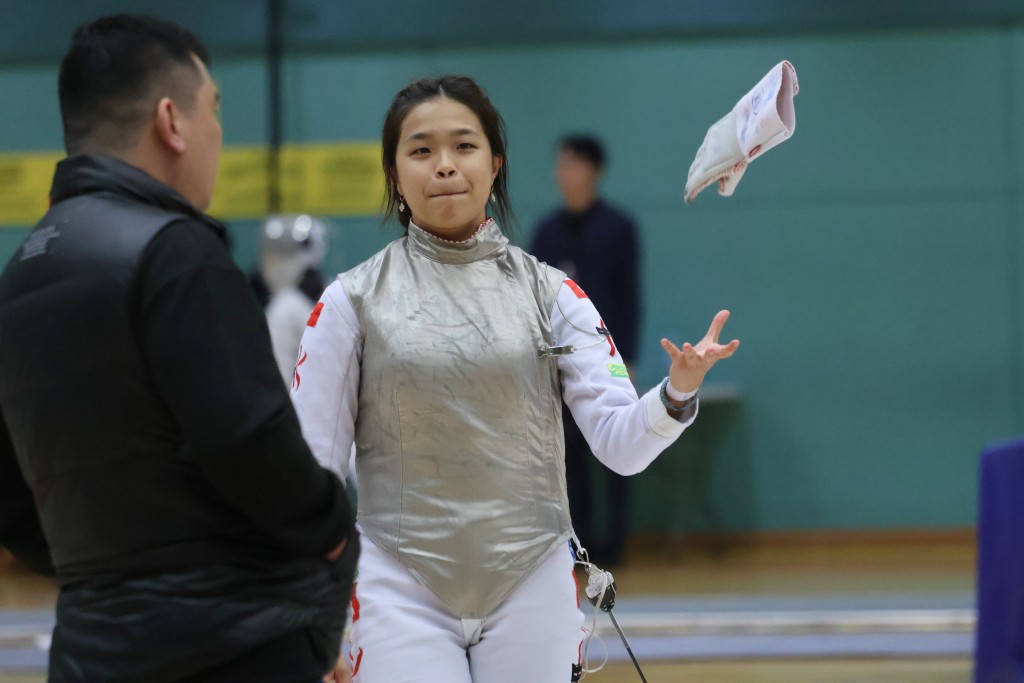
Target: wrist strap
<point>669,404</point>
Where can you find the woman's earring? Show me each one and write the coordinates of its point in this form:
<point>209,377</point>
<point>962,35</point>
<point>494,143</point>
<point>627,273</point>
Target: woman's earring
<point>494,200</point>
<point>401,204</point>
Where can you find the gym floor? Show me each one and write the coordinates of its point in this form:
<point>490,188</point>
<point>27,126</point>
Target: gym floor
<point>841,609</point>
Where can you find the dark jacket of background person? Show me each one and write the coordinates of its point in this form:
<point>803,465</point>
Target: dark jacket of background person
<point>155,445</point>
<point>598,249</point>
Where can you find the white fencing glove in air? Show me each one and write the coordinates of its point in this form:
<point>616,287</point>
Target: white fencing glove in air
<point>762,118</point>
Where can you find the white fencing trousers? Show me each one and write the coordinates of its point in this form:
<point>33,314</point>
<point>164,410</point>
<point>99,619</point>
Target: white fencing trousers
<point>401,633</point>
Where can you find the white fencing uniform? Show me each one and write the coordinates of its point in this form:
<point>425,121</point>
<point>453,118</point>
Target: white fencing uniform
<point>402,632</point>
<point>435,358</point>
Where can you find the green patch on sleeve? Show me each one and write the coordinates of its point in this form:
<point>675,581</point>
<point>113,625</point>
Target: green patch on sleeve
<point>618,370</point>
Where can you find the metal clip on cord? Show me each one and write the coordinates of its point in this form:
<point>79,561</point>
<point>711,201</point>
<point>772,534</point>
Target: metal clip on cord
<point>601,593</point>
<point>550,351</point>
<point>565,350</point>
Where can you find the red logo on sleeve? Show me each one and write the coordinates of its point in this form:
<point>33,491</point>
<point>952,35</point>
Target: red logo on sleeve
<point>296,378</point>
<point>315,315</point>
<point>580,294</point>
<point>606,333</point>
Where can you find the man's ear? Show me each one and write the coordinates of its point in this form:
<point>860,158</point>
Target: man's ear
<point>169,122</point>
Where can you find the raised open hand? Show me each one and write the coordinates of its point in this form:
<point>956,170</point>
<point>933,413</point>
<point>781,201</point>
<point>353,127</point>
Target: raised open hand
<point>691,363</point>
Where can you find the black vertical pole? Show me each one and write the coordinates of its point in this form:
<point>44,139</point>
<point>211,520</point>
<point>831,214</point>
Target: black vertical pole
<point>275,51</point>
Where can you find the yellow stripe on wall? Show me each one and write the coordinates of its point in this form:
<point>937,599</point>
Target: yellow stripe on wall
<point>342,179</point>
<point>241,189</point>
<point>25,186</point>
<point>335,179</point>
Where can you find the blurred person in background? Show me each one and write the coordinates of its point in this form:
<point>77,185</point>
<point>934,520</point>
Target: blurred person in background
<point>597,245</point>
<point>150,457</point>
<point>445,359</point>
<point>289,280</point>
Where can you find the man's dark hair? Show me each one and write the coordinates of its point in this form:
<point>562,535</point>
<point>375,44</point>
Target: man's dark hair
<point>588,147</point>
<point>115,71</point>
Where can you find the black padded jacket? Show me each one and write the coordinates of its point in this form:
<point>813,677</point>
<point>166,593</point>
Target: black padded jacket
<point>145,434</point>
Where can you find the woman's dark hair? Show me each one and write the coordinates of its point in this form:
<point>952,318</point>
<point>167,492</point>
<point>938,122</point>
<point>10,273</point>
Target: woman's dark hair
<point>116,69</point>
<point>462,89</point>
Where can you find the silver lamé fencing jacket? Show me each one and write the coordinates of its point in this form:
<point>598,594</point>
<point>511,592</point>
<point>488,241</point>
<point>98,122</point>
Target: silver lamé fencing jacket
<point>460,453</point>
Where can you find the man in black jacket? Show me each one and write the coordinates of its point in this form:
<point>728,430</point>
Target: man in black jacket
<point>149,454</point>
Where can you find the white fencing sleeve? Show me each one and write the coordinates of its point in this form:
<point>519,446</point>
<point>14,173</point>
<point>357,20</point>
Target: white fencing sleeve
<point>625,432</point>
<point>325,384</point>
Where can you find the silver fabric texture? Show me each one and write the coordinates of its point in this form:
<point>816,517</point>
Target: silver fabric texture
<point>459,446</point>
